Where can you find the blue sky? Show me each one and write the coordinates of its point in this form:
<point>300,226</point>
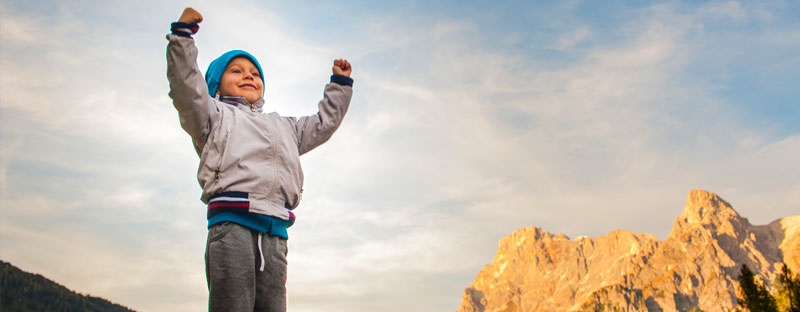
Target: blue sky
<point>470,120</point>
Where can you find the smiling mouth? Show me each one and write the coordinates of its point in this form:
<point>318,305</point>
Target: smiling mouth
<point>248,85</point>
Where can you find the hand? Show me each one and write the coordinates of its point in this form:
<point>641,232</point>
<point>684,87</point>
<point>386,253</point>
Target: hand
<point>190,16</point>
<point>342,67</point>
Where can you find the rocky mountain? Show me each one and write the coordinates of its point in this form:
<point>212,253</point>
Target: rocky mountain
<point>694,268</point>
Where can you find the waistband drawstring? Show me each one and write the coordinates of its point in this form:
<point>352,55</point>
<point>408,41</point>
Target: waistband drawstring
<point>260,252</point>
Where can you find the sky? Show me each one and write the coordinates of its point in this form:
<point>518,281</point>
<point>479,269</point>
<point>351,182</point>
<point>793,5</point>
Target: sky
<point>469,120</point>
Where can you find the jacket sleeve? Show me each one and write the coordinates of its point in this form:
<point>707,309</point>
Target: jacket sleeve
<point>188,89</point>
<point>316,129</point>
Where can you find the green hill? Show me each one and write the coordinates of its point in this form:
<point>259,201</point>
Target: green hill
<point>23,291</point>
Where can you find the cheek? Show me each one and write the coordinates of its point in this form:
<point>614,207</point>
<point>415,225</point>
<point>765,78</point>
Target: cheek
<point>227,85</point>
<point>225,81</point>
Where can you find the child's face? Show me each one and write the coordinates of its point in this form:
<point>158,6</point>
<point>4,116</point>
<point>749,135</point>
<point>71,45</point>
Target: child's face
<point>241,78</point>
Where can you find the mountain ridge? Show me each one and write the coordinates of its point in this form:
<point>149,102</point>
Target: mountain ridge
<point>24,291</point>
<point>695,267</point>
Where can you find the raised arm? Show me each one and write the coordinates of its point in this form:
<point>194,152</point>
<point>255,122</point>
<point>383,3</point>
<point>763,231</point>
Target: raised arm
<point>316,129</point>
<point>188,88</point>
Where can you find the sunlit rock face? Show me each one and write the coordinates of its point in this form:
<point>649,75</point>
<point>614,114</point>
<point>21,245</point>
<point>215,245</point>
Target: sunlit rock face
<point>695,267</point>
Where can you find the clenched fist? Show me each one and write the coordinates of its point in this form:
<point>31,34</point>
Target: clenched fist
<point>342,67</point>
<point>190,16</point>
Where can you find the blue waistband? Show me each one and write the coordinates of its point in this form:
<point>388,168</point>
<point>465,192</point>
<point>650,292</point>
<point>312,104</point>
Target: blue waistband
<point>257,222</point>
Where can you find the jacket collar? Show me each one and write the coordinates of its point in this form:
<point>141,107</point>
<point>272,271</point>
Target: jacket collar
<point>242,103</point>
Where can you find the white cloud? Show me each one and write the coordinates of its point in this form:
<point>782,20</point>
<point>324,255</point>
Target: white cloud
<point>16,30</point>
<point>740,12</point>
<point>572,38</point>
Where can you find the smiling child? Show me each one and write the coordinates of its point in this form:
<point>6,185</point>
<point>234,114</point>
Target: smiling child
<point>249,169</point>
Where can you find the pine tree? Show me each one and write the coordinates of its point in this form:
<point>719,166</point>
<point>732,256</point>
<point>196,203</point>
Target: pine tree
<point>788,285</point>
<point>753,296</point>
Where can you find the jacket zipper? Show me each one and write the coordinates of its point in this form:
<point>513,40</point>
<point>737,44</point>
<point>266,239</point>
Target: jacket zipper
<point>275,145</point>
<point>224,150</point>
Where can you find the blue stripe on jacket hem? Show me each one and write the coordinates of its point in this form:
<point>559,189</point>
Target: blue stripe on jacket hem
<point>236,202</point>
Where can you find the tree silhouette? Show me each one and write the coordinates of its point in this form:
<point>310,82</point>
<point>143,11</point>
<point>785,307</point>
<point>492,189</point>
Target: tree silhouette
<point>788,285</point>
<point>753,296</point>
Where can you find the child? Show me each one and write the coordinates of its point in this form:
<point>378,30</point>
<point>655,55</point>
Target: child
<point>249,165</point>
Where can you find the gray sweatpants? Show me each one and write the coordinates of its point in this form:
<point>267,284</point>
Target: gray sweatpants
<point>233,262</point>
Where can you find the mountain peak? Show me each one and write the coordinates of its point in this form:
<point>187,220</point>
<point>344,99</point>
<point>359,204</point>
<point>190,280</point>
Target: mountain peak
<point>708,210</point>
<point>703,207</point>
<point>709,213</point>
<point>695,267</point>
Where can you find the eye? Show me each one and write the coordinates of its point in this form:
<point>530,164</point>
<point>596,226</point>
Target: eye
<point>256,74</point>
<point>236,71</point>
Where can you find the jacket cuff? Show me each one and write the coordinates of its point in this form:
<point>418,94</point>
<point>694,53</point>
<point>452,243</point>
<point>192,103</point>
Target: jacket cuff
<point>342,80</point>
<point>184,29</point>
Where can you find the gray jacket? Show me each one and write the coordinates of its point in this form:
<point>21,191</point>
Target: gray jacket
<point>240,148</point>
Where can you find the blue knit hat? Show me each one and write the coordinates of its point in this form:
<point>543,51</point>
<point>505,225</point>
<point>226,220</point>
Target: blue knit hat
<point>217,67</point>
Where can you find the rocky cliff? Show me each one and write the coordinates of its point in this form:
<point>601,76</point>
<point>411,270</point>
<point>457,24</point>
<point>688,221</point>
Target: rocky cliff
<point>695,267</point>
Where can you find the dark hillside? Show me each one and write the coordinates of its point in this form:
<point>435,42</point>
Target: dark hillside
<point>23,291</point>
